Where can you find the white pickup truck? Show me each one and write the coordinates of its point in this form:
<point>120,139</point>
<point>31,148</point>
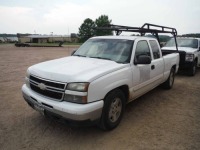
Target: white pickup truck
<point>189,49</point>
<point>99,79</point>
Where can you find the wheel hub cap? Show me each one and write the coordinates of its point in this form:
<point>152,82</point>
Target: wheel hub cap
<point>115,110</point>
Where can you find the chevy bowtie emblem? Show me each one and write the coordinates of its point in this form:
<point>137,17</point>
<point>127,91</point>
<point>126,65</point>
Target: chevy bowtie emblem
<point>42,86</point>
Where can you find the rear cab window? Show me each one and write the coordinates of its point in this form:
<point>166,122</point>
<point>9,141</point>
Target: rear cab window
<point>155,49</point>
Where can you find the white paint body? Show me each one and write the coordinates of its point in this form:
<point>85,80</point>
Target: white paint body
<point>103,76</point>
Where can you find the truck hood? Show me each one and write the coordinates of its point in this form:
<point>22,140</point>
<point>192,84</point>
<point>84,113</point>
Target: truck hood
<point>185,49</point>
<point>75,69</point>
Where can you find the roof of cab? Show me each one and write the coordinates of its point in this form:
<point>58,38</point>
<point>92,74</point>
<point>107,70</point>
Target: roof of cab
<point>122,37</point>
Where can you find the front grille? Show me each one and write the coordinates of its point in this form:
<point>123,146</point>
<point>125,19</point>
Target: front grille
<point>182,57</point>
<point>50,89</point>
<point>48,83</point>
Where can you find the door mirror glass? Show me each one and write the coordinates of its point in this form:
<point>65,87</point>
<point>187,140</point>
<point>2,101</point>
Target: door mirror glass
<point>143,59</point>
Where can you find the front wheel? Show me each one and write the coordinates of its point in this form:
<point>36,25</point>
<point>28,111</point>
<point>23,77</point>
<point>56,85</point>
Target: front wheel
<point>114,104</point>
<point>170,81</point>
<point>193,70</point>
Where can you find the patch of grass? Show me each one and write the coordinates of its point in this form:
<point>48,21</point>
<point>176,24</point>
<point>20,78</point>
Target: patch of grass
<point>44,44</point>
<point>66,43</point>
<point>6,43</point>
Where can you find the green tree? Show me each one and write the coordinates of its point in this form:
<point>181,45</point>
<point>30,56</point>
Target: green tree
<point>102,21</point>
<point>86,30</point>
<point>197,35</point>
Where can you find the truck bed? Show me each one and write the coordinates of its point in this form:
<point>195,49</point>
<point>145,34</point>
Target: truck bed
<point>181,54</point>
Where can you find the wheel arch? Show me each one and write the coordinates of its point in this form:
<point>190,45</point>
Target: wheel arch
<point>196,59</point>
<point>124,89</point>
<point>175,68</point>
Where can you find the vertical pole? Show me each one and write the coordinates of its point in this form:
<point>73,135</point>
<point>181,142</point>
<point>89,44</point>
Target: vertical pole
<point>176,42</point>
<point>158,38</point>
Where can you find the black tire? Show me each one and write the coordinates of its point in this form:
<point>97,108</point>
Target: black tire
<point>193,69</point>
<point>114,105</point>
<point>170,81</point>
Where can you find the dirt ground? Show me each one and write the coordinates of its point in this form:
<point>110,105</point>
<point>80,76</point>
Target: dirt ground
<point>161,119</point>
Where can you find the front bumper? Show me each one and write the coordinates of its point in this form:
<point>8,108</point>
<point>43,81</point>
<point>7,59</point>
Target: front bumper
<point>186,65</point>
<point>70,111</point>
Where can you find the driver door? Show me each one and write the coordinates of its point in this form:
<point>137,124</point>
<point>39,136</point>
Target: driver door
<point>141,72</point>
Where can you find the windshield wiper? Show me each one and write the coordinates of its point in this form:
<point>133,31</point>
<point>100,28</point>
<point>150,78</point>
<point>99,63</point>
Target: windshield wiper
<point>101,58</point>
<point>119,62</point>
<point>109,59</point>
<point>78,55</point>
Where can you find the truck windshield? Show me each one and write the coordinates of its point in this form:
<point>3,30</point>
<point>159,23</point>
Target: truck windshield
<point>193,43</point>
<point>118,50</point>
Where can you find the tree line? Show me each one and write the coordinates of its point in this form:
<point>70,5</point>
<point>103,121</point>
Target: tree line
<point>87,30</point>
<point>197,35</point>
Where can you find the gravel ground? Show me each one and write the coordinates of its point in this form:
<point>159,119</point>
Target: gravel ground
<point>161,119</point>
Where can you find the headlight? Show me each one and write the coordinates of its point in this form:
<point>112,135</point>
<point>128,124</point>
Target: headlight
<point>81,87</point>
<point>76,93</point>
<point>27,78</point>
<point>189,57</point>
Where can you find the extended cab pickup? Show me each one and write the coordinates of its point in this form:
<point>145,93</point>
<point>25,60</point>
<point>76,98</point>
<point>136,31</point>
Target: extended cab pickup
<point>189,49</point>
<point>102,76</point>
<point>99,79</point>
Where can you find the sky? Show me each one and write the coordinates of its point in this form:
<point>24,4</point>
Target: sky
<point>63,17</point>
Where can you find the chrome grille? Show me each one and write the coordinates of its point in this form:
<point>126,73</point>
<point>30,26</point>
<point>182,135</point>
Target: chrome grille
<point>51,89</point>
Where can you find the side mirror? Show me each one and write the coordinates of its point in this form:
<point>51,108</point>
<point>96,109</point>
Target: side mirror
<point>199,48</point>
<point>143,59</point>
<point>73,52</point>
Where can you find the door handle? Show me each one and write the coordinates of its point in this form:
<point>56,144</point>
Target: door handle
<point>152,67</point>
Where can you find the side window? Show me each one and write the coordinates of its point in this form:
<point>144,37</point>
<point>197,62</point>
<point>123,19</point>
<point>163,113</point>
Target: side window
<point>142,48</point>
<point>199,43</point>
<point>155,49</point>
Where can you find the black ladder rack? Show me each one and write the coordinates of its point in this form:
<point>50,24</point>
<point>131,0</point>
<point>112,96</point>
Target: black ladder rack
<point>146,28</point>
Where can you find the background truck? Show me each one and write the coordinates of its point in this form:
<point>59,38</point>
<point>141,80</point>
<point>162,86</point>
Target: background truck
<point>189,49</point>
<point>101,77</point>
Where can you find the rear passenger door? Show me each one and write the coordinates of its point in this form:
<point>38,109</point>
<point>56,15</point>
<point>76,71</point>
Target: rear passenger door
<point>157,64</point>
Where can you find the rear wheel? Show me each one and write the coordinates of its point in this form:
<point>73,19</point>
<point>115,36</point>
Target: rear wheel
<point>114,104</point>
<point>170,81</point>
<point>193,70</point>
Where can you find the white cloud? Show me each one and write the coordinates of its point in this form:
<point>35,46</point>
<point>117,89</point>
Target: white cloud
<point>15,18</point>
<point>69,15</point>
